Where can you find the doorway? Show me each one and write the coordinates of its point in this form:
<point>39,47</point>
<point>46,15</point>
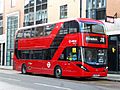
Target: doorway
<point>113,53</point>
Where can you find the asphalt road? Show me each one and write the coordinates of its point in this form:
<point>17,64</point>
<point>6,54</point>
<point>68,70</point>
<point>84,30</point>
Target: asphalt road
<point>13,80</point>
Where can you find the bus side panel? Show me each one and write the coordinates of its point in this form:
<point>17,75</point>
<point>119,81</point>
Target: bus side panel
<point>17,63</point>
<point>70,68</point>
<point>70,40</point>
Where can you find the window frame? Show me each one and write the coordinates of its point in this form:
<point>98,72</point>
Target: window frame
<point>13,3</point>
<point>92,12</point>
<point>20,31</point>
<point>67,29</point>
<point>63,11</point>
<point>27,33</point>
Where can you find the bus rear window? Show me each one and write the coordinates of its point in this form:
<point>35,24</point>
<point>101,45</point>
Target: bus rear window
<point>92,28</point>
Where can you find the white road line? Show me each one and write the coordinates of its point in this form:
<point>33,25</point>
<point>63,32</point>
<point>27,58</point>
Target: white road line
<point>10,79</point>
<point>41,84</point>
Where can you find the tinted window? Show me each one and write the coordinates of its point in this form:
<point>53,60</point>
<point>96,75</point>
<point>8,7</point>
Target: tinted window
<point>92,27</point>
<point>63,55</point>
<point>73,27</point>
<point>33,32</point>
<point>53,50</point>
<point>71,54</point>
<point>18,54</point>
<point>49,28</point>
<point>40,31</point>
<point>45,54</point>
<point>44,30</point>
<point>27,33</point>
<point>25,54</point>
<point>37,54</point>
<point>69,27</point>
<point>19,34</point>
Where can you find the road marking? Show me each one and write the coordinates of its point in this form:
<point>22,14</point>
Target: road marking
<point>10,79</point>
<point>41,84</point>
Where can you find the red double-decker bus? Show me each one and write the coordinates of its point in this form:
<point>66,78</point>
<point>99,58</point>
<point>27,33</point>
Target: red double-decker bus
<point>72,47</point>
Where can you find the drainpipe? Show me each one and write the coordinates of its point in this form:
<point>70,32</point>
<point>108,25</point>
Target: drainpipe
<point>80,8</point>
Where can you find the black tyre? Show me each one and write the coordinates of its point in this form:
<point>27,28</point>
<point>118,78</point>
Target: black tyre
<point>58,72</point>
<point>23,69</point>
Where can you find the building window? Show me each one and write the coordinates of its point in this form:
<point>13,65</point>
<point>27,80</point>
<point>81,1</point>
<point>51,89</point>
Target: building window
<point>63,11</point>
<point>99,3</point>
<point>1,24</point>
<point>93,3</point>
<point>96,9</point>
<point>29,12</point>
<point>35,13</point>
<point>1,27</point>
<point>13,3</point>
<point>103,3</point>
<point>41,11</point>
<point>100,13</point>
<point>12,26</point>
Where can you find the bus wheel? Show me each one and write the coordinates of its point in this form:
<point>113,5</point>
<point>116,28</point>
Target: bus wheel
<point>58,72</point>
<point>23,69</point>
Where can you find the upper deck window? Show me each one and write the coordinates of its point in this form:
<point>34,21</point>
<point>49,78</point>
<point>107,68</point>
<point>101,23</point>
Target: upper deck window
<point>36,31</point>
<point>44,30</point>
<point>69,27</point>
<point>92,27</point>
<point>19,34</point>
<point>27,33</point>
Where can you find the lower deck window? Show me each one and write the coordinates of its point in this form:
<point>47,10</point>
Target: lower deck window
<point>45,54</point>
<point>71,54</point>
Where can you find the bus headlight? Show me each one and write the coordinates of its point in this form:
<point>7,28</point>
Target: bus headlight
<point>85,69</point>
<point>82,67</point>
<point>106,68</point>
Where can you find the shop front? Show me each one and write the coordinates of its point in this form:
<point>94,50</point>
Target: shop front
<point>114,53</point>
<point>113,32</point>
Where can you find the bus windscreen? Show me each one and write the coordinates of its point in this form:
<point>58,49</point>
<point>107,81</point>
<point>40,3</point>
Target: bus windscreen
<point>90,27</point>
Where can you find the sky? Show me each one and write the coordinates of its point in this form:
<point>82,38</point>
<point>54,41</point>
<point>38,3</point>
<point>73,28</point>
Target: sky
<point>1,6</point>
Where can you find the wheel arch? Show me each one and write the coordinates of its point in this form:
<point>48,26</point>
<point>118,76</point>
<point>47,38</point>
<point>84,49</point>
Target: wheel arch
<point>23,66</point>
<point>55,70</point>
<point>56,67</point>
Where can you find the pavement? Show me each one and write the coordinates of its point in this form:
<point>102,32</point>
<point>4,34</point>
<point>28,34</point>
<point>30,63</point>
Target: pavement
<point>6,67</point>
<point>110,77</point>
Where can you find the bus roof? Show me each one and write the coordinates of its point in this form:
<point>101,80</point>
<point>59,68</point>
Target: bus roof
<point>63,20</point>
<point>89,20</point>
